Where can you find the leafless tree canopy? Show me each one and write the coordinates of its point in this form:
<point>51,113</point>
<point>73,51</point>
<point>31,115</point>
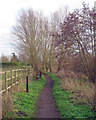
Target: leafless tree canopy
<point>63,39</point>
<point>33,38</point>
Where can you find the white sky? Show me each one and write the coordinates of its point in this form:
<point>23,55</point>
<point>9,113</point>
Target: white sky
<point>10,8</point>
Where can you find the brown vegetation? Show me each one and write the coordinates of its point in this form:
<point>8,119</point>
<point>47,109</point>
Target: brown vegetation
<point>75,37</point>
<point>83,89</point>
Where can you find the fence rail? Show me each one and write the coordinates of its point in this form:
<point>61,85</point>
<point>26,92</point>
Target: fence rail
<point>13,76</point>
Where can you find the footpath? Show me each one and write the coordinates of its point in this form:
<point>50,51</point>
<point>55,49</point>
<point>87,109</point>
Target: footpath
<point>47,106</point>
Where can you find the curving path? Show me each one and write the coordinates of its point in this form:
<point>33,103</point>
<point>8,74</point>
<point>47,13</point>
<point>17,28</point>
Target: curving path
<point>46,106</point>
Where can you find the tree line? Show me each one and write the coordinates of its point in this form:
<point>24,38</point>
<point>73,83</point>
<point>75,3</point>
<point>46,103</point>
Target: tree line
<point>65,40</point>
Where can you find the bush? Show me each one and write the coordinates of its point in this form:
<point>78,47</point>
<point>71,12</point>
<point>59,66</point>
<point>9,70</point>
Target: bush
<point>10,64</point>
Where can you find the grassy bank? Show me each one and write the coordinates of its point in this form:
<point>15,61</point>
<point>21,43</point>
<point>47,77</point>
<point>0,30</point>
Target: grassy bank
<point>65,103</point>
<point>25,103</point>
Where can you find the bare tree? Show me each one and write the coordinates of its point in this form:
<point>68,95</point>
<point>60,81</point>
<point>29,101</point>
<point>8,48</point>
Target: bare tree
<point>4,58</point>
<point>26,31</point>
<point>60,51</point>
<point>76,35</point>
<point>32,33</point>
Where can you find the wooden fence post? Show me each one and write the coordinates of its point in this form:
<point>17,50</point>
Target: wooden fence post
<point>27,84</point>
<point>6,82</point>
<point>18,75</point>
<point>15,77</point>
<point>21,76</point>
<point>11,79</point>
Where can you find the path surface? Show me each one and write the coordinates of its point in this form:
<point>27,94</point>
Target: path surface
<point>47,107</point>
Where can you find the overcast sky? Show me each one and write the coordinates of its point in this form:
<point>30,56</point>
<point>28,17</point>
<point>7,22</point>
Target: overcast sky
<point>9,10</point>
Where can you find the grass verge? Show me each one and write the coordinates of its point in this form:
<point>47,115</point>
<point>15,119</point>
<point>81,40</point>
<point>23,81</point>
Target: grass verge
<point>25,103</point>
<point>65,104</point>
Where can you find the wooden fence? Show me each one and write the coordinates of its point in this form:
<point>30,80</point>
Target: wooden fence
<point>11,78</point>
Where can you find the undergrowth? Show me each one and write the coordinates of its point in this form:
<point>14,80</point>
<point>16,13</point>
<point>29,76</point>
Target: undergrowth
<point>25,103</point>
<point>79,84</point>
<point>66,105</point>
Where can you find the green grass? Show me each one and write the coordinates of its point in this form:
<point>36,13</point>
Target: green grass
<point>25,104</point>
<point>66,106</point>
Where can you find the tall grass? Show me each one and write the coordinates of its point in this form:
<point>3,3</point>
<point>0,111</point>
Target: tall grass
<point>79,84</point>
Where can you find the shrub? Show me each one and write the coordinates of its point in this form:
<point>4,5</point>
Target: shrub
<point>10,64</point>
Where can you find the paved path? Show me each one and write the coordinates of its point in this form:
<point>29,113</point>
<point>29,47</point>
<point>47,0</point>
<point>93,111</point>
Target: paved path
<point>47,107</point>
